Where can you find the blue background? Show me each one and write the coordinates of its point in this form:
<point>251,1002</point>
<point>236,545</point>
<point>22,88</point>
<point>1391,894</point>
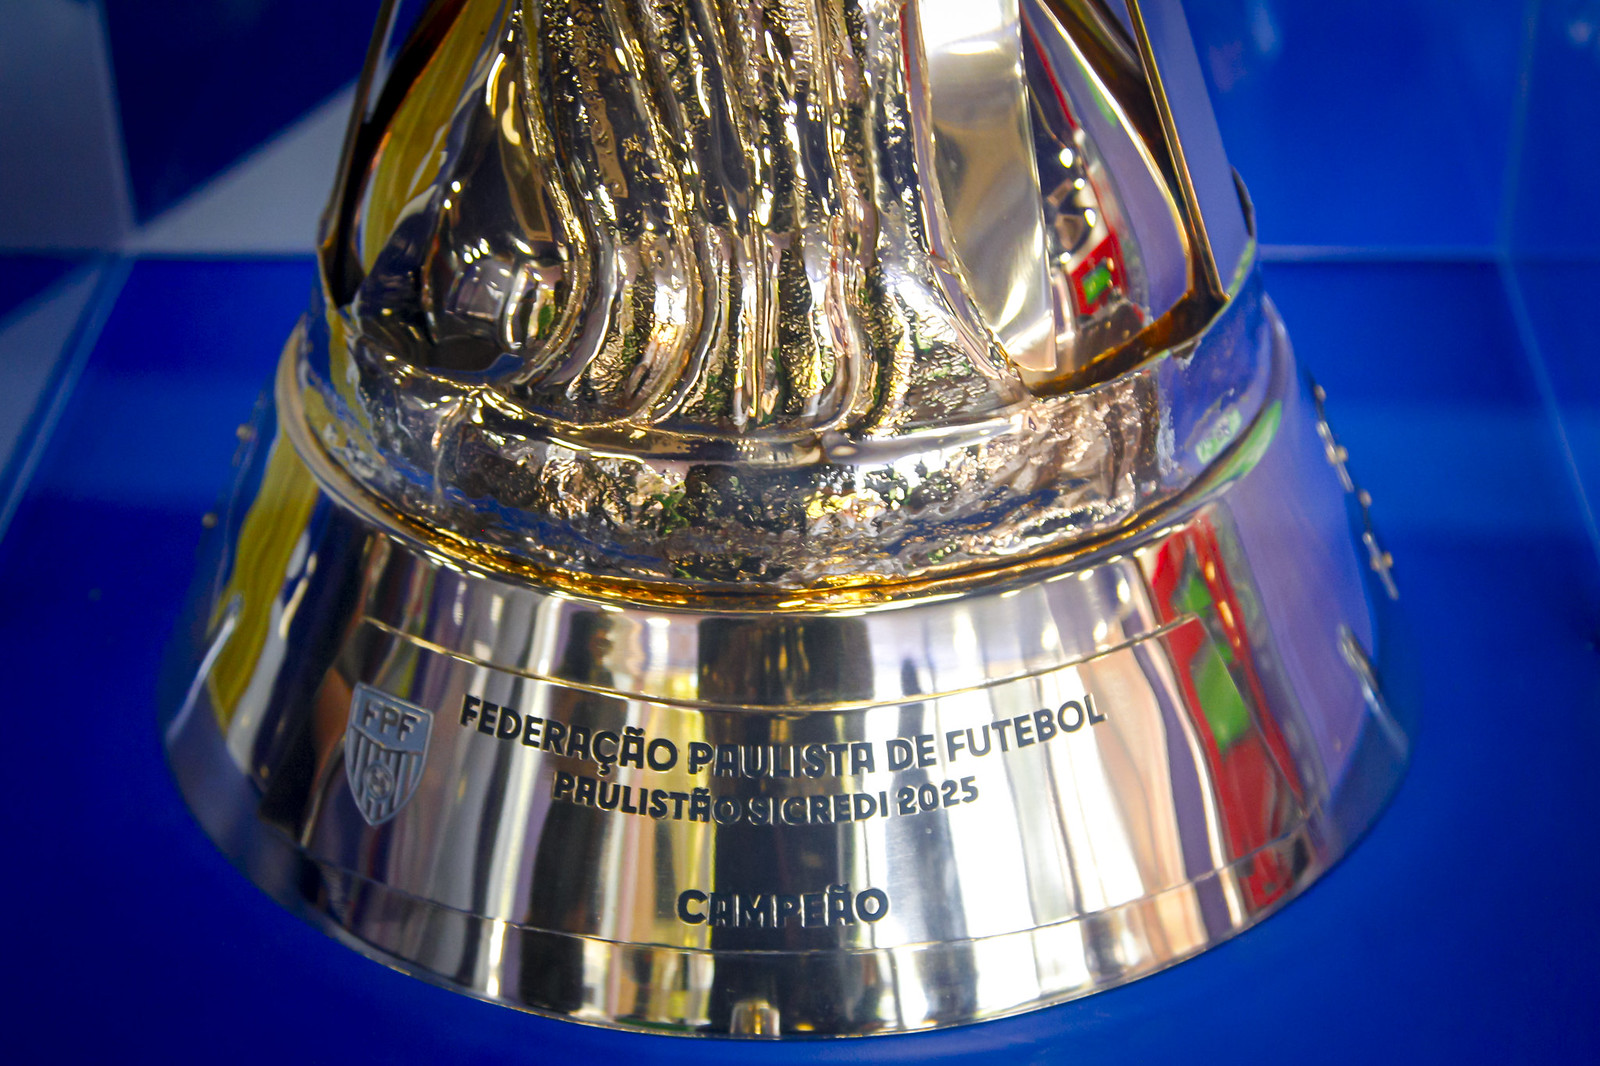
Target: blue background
<point>1424,173</point>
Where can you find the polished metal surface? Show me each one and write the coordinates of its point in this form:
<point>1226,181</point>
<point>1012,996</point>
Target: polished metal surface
<point>798,296</point>
<point>788,521</point>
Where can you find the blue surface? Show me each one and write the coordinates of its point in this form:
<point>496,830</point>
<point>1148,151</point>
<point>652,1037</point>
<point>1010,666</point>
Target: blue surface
<point>1568,349</point>
<point>201,82</point>
<point>22,277</point>
<point>1370,123</point>
<point>1460,930</point>
<point>1424,361</point>
<point>1558,210</point>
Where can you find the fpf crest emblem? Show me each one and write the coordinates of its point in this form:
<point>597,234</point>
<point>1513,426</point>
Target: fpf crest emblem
<point>385,748</point>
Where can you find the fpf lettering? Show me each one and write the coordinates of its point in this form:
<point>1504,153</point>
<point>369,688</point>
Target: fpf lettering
<point>391,720</point>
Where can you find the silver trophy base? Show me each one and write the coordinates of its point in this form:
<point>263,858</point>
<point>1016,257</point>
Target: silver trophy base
<point>953,805</point>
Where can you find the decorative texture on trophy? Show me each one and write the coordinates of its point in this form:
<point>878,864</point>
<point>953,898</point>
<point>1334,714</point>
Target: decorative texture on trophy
<point>792,518</point>
<point>797,296</point>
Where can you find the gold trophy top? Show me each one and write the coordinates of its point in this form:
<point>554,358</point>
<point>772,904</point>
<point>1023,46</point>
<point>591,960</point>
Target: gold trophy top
<point>718,297</point>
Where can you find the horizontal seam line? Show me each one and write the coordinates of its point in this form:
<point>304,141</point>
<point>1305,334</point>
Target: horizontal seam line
<point>710,705</point>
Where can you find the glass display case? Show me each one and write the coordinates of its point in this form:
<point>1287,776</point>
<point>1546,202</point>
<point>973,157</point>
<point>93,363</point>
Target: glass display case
<point>1421,175</point>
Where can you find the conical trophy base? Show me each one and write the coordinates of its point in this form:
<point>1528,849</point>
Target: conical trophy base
<point>808,818</point>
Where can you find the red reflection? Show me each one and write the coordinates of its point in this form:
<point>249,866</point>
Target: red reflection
<point>1258,790</point>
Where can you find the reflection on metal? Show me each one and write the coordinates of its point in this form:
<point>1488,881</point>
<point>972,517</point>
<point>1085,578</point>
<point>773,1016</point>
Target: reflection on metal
<point>1357,658</point>
<point>786,521</point>
<point>755,1017</point>
<point>988,179</point>
<point>1338,456</point>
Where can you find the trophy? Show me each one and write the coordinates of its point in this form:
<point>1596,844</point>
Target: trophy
<point>788,519</point>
